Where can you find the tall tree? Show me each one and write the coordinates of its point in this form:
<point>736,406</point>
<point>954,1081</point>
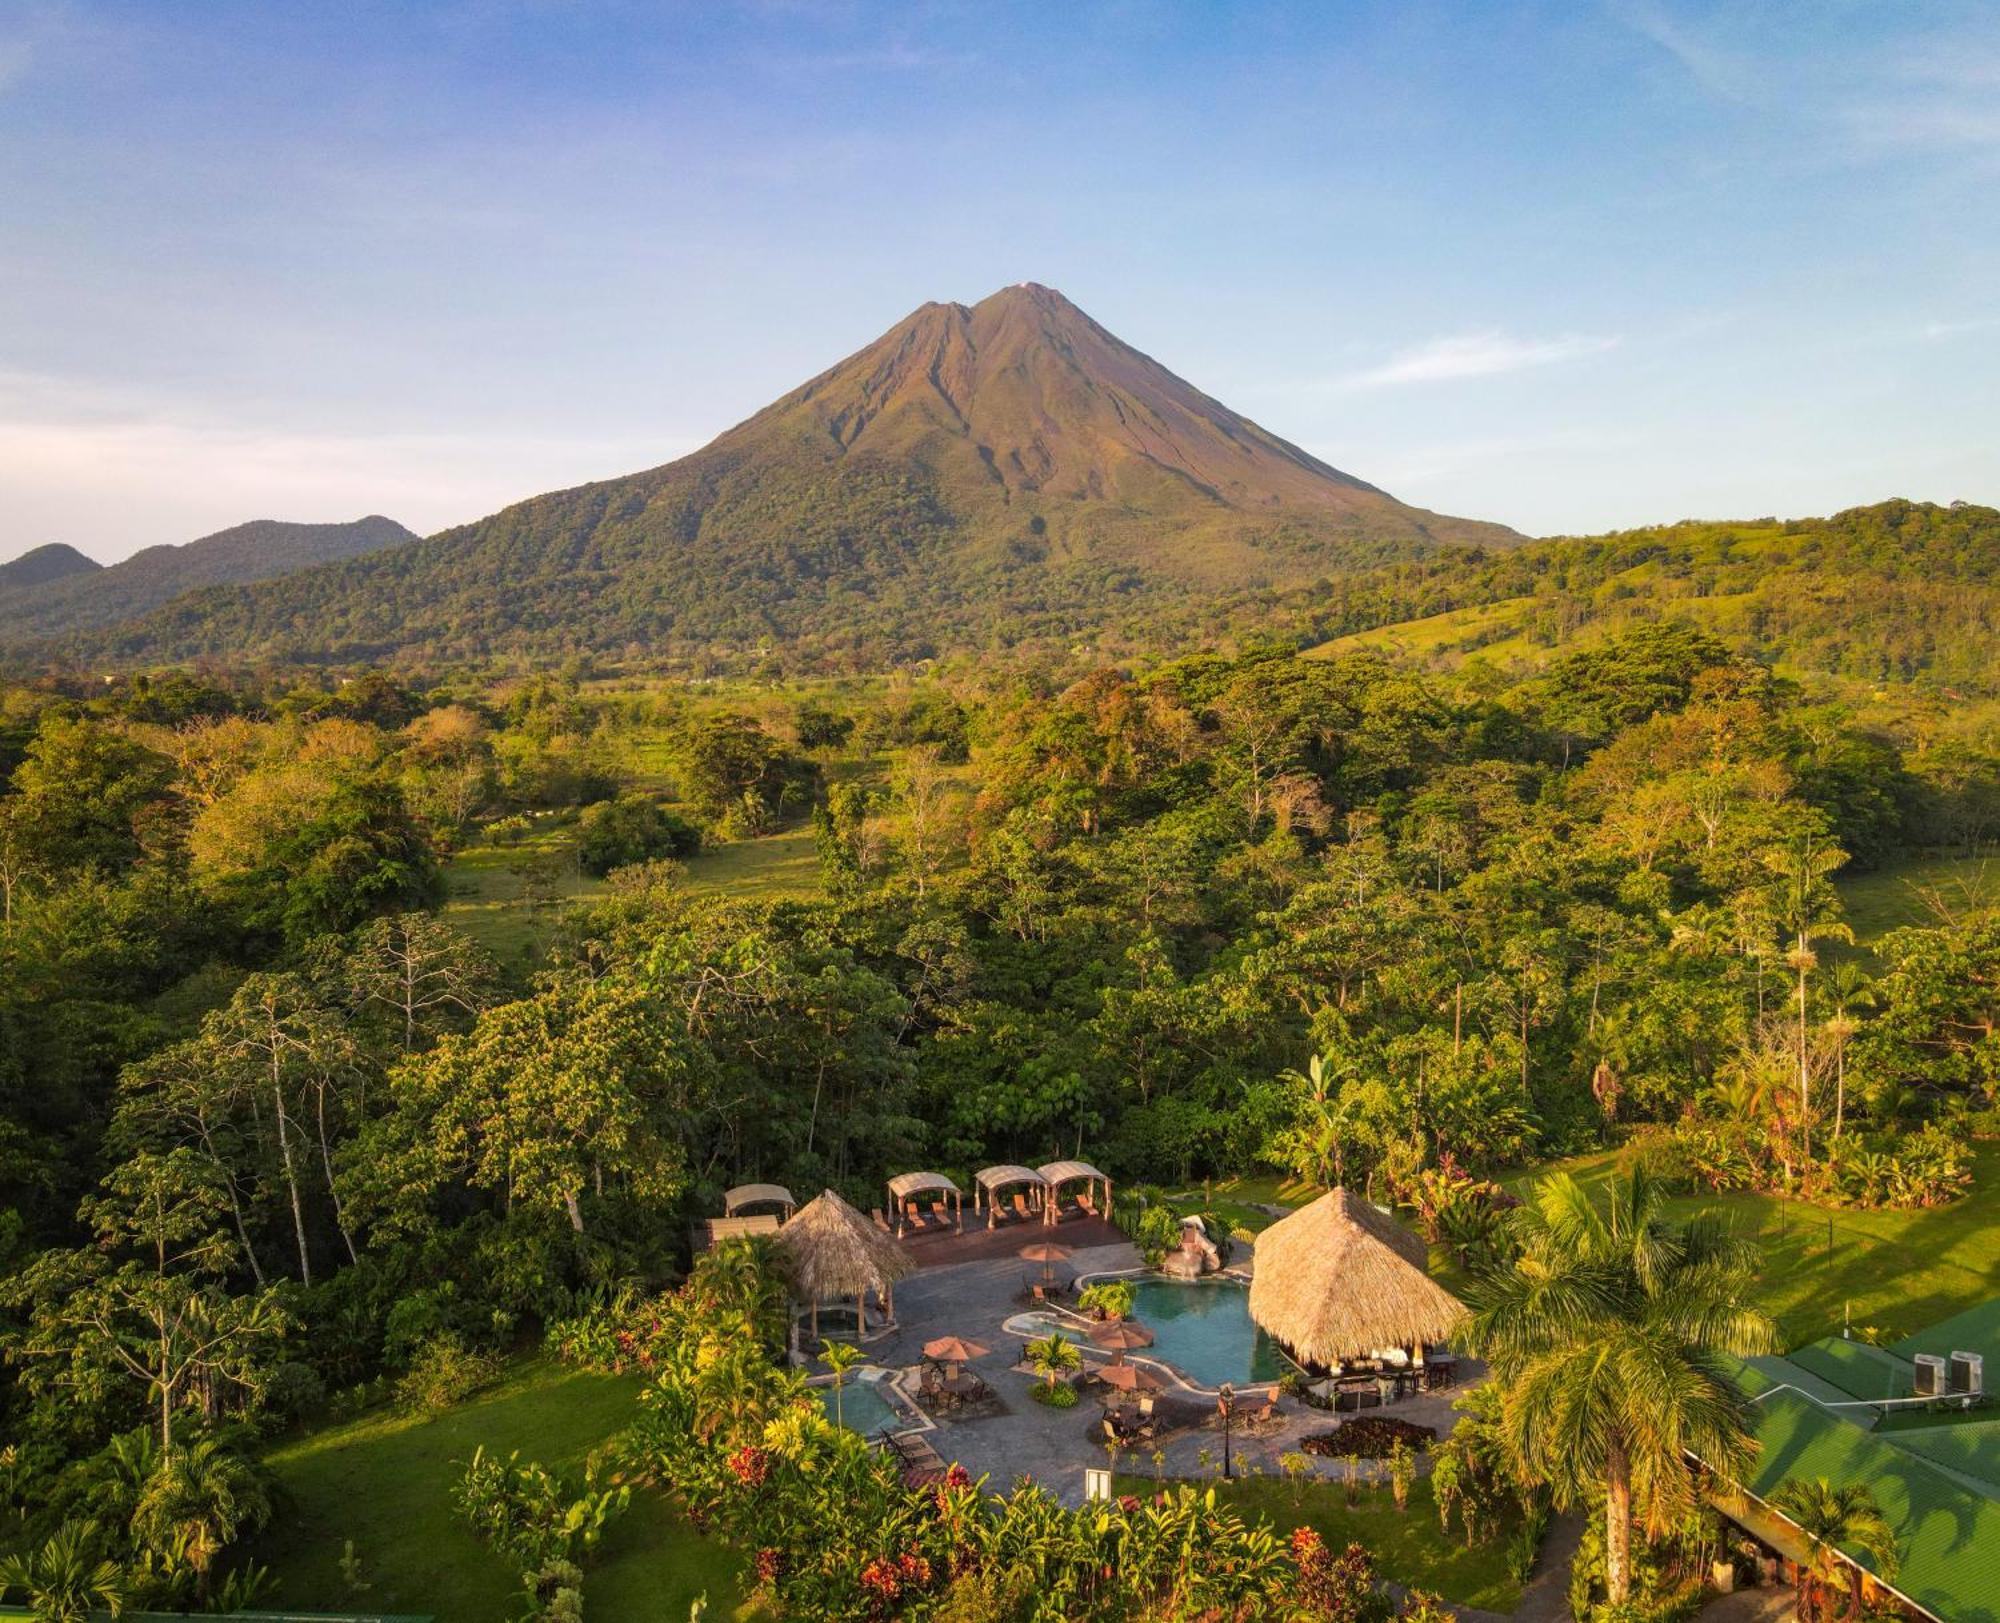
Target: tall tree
<point>1602,1335</point>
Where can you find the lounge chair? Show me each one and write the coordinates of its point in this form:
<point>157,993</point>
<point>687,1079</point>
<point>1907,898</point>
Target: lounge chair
<point>1021,1208</point>
<point>1083,1200</point>
<point>913,1216</point>
<point>1267,1413</point>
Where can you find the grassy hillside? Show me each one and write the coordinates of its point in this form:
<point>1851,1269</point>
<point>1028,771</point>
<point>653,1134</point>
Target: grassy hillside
<point>385,1482</point>
<point>1901,591</point>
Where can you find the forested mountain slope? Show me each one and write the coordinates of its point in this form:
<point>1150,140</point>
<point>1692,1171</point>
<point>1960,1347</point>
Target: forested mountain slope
<point>1003,472</point>
<point>73,599</point>
<point>55,561</point>
<point>1898,591</point>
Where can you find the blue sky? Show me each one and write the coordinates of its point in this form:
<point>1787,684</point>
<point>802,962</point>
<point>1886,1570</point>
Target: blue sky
<point>1568,266</point>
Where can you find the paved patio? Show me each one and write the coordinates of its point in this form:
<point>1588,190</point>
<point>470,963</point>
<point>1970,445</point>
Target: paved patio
<point>1055,1446</point>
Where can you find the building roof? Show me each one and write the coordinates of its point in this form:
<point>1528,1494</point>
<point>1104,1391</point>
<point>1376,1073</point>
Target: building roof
<point>829,1251</point>
<point>1001,1177</point>
<point>1947,1534</point>
<point>1340,1278</point>
<point>920,1183</point>
<point>756,1194</point>
<point>1977,1330</point>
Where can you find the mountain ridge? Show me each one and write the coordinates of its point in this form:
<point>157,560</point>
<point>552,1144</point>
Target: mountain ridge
<point>1001,471</point>
<point>53,560</point>
<point>83,600</point>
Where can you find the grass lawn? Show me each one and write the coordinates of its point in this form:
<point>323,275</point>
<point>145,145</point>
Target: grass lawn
<point>1241,1200</point>
<point>1892,897</point>
<point>1408,1546</point>
<point>386,1481</point>
<point>1896,1271</point>
<point>483,885</point>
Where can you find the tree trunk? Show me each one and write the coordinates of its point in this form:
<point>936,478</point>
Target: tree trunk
<point>333,1194</point>
<point>1617,1522</point>
<point>575,1211</point>
<point>291,1180</point>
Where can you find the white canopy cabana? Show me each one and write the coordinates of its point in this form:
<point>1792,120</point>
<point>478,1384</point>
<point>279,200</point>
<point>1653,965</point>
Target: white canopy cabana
<point>757,1194</point>
<point>1058,1173</point>
<point>906,1186</point>
<point>990,1181</point>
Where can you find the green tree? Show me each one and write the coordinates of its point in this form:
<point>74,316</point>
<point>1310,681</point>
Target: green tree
<point>1603,1336</point>
<point>67,1579</point>
<point>1844,1519</point>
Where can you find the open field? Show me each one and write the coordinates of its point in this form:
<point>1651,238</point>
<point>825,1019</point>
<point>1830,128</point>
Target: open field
<point>386,1483</point>
<point>1892,897</point>
<point>486,885</point>
<point>1408,1546</point>
<point>1892,1270</point>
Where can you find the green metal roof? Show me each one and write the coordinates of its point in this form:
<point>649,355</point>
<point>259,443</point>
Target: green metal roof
<point>1859,1370</point>
<point>1948,1534</point>
<point>1759,1375</point>
<point>1969,1451</point>
<point>1977,1330</point>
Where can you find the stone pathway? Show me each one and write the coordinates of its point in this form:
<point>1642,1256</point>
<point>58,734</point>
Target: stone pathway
<point>1545,1599</point>
<point>1770,1603</point>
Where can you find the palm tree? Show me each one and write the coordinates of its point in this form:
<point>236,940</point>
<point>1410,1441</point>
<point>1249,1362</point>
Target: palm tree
<point>1808,909</point>
<point>1852,989</point>
<point>199,1502</point>
<point>1603,1336</point>
<point>840,1357</point>
<point>1837,1519</point>
<point>65,1580</point>
<point>1053,1356</point>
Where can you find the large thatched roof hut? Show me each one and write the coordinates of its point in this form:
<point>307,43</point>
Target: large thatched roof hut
<point>831,1253</point>
<point>1341,1279</point>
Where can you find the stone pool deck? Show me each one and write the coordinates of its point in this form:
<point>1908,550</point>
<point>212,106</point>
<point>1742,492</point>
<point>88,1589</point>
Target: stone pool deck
<point>1056,1446</point>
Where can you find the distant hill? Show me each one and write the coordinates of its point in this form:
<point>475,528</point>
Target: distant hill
<point>56,561</point>
<point>978,475</point>
<point>52,602</point>
<point>1898,591</point>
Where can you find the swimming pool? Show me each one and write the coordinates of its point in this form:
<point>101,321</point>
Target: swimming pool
<point>862,1407</point>
<point>1204,1329</point>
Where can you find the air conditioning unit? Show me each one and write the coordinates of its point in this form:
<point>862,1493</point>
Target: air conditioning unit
<point>1967,1375</point>
<point>1930,1375</point>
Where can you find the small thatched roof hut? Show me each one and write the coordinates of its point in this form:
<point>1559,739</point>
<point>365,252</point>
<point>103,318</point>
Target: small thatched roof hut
<point>1339,1279</point>
<point>831,1253</point>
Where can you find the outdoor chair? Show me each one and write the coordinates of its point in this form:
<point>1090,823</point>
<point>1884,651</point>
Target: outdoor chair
<point>913,1216</point>
<point>1083,1201</point>
<point>1021,1208</point>
<point>1267,1414</point>
<point>881,1222</point>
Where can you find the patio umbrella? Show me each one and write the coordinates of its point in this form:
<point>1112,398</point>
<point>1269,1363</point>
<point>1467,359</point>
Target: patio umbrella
<point>1131,1378</point>
<point>1121,1336</point>
<point>1045,1252</point>
<point>951,1351</point>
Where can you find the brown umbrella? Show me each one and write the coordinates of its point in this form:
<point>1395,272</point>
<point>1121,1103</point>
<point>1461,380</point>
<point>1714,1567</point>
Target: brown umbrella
<point>1131,1378</point>
<point>951,1351</point>
<point>1046,1252</point>
<point>1121,1336</point>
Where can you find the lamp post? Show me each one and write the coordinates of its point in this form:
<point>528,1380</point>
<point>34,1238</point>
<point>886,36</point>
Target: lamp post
<point>1225,1401</point>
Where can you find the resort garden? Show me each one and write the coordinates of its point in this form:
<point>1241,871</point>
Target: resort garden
<point>353,1266</point>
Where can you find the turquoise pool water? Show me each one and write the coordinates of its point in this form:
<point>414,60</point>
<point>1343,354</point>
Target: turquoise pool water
<point>1205,1331</point>
<point>862,1408</point>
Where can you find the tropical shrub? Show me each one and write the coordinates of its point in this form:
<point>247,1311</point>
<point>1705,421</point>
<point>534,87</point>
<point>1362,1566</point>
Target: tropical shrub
<point>1108,1298</point>
<point>544,1524</point>
<point>1054,1397</point>
<point>445,1371</point>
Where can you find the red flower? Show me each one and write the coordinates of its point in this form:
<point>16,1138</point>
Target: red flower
<point>957,1477</point>
<point>750,1465</point>
<point>1128,1502</point>
<point>882,1577</point>
<point>914,1568</point>
<point>769,1565</point>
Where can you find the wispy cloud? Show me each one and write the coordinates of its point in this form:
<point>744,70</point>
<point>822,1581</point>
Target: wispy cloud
<point>1718,71</point>
<point>1476,355</point>
<point>1936,330</point>
<point>110,469</point>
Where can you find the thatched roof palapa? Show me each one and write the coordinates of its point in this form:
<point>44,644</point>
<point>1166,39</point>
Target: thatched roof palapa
<point>830,1251</point>
<point>1340,1278</point>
